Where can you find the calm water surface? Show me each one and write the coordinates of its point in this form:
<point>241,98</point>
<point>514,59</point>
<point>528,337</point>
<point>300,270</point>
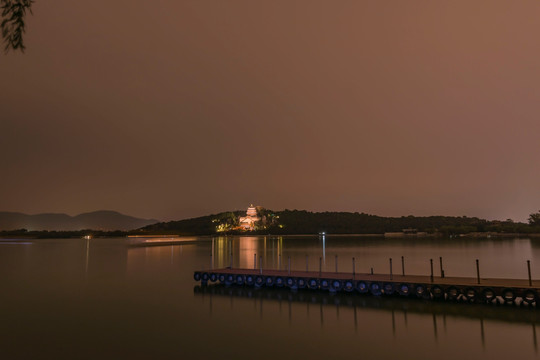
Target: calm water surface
<point>102,299</point>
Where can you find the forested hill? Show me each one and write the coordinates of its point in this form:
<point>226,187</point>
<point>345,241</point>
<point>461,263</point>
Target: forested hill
<point>305,222</point>
<point>204,225</point>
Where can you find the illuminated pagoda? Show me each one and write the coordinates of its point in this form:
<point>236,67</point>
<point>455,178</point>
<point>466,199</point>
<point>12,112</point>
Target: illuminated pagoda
<point>248,222</point>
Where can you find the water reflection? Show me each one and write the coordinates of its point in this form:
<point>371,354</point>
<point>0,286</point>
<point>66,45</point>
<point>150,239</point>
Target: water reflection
<point>396,311</point>
<point>87,258</point>
<point>501,258</point>
<point>323,239</point>
<point>66,291</point>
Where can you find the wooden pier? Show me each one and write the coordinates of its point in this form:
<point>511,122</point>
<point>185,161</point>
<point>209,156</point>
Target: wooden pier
<point>429,287</point>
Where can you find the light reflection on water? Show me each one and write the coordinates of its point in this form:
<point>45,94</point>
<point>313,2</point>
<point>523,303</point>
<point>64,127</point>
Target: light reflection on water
<point>101,298</point>
<point>463,330</point>
<point>321,305</point>
<point>501,258</point>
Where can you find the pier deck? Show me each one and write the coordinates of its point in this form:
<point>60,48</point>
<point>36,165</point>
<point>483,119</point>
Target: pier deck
<point>471,289</point>
<point>414,279</point>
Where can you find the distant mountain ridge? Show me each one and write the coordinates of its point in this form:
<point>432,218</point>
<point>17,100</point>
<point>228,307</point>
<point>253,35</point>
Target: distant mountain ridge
<point>97,220</point>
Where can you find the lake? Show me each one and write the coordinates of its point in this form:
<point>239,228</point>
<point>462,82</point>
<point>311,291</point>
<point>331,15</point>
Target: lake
<point>104,299</point>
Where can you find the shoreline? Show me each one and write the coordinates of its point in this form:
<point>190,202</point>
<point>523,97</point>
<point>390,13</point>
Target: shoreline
<point>475,235</point>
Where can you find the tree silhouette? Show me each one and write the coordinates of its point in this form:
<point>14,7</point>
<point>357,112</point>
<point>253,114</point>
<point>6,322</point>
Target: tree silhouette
<point>13,26</point>
<point>534,219</point>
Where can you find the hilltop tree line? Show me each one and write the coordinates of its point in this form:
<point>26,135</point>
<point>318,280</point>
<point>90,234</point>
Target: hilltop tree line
<point>305,222</point>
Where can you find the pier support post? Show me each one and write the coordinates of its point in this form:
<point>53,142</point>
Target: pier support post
<point>289,266</point>
<point>529,271</point>
<point>371,271</point>
<point>320,267</point>
<point>431,266</point>
<point>477,272</point>
<point>442,271</point>
<point>391,274</point>
<point>336,263</point>
<point>260,264</point>
<point>402,266</point>
<point>211,255</point>
<point>353,269</point>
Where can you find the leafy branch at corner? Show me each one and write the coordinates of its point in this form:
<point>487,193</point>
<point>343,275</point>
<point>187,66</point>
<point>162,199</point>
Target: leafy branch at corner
<point>13,26</point>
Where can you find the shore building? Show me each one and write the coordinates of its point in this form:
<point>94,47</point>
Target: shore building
<point>248,222</point>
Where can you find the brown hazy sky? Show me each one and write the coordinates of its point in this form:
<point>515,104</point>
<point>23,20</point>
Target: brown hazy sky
<point>172,109</point>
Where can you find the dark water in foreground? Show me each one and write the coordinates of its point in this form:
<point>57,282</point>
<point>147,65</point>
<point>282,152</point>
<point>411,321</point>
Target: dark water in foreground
<point>101,299</point>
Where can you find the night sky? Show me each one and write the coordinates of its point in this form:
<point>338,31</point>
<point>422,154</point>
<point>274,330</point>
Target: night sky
<point>173,109</point>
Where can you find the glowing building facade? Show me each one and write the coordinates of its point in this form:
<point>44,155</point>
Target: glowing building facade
<point>248,222</point>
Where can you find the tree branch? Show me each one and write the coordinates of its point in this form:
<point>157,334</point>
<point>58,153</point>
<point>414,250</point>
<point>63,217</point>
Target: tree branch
<point>13,26</point>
